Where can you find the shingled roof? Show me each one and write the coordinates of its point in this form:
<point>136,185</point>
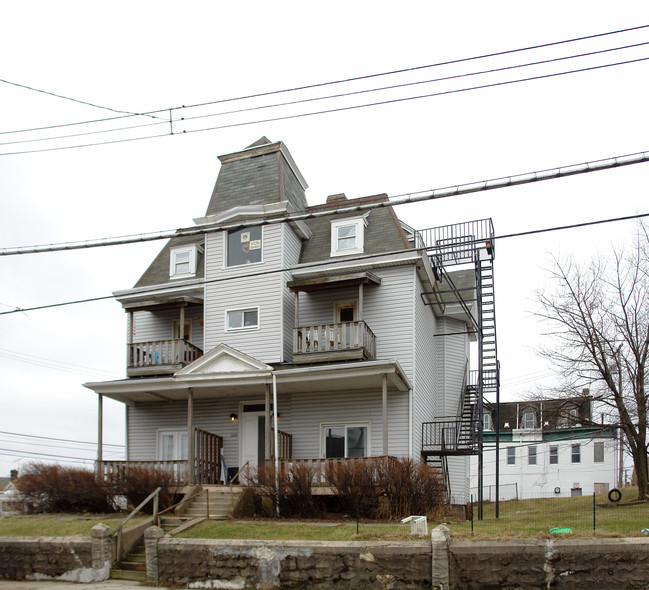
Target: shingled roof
<point>383,233</point>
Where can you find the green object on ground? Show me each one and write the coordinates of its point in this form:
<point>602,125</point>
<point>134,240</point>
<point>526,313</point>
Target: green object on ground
<point>560,530</point>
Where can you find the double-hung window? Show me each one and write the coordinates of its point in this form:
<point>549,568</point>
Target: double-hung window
<point>345,440</point>
<point>554,454</point>
<point>242,319</point>
<point>576,453</point>
<point>348,236</point>
<point>529,420</point>
<point>531,455</point>
<point>182,262</point>
<point>511,455</point>
<point>598,452</point>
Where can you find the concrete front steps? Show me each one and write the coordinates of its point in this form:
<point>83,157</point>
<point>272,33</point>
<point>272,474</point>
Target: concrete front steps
<point>220,501</point>
<point>133,564</point>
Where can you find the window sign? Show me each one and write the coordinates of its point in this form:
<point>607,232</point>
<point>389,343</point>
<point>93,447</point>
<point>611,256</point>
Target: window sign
<point>244,246</point>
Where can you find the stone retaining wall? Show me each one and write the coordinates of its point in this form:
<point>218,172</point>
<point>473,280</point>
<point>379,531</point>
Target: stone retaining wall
<point>73,559</point>
<point>436,563</point>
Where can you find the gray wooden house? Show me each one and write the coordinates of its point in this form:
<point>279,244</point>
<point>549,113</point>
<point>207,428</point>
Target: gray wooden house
<point>328,336</point>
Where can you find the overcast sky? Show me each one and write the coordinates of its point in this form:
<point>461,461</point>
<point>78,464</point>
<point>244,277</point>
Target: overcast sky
<point>145,56</point>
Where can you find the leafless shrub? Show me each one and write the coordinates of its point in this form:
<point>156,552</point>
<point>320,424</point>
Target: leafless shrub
<point>136,483</point>
<point>55,488</point>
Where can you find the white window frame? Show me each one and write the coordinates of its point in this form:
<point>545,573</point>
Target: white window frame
<point>345,425</point>
<point>191,250</point>
<point>243,310</point>
<point>487,422</point>
<point>598,445</point>
<point>360,224</point>
<point>553,455</point>
<point>575,453</point>
<point>532,455</point>
<point>525,421</point>
<point>177,434</point>
<point>510,457</point>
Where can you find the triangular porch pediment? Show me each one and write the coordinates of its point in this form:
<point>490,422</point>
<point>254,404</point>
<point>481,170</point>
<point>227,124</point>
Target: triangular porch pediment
<point>223,359</point>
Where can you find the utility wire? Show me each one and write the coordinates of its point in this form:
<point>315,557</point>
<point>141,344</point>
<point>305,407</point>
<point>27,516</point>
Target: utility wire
<point>329,97</point>
<point>401,199</point>
<point>347,80</point>
<point>312,265</point>
<point>326,111</point>
<point>81,442</point>
<point>90,104</point>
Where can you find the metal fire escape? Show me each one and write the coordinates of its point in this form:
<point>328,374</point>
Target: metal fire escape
<point>462,258</point>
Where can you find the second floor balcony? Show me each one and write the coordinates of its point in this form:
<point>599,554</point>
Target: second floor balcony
<point>333,342</point>
<point>159,357</point>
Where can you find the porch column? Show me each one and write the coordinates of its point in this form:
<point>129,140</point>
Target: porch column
<point>297,309</point>
<point>100,435</point>
<point>384,392</point>
<point>268,446</point>
<point>191,463</point>
<point>360,301</point>
<point>181,327</point>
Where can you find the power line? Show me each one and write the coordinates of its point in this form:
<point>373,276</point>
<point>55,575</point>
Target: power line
<point>50,363</point>
<point>20,453</point>
<point>81,442</point>
<point>402,199</point>
<point>327,111</point>
<point>351,79</point>
<point>90,104</point>
<point>348,259</point>
<point>329,97</point>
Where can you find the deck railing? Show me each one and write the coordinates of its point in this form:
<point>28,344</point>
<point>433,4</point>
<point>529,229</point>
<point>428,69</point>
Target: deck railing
<point>321,467</point>
<point>162,352</point>
<point>334,338</point>
<point>207,465</point>
<point>285,443</point>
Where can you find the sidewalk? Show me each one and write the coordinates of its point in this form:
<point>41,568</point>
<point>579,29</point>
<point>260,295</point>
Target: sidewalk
<point>55,585</point>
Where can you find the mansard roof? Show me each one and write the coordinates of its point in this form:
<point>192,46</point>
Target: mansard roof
<point>383,233</point>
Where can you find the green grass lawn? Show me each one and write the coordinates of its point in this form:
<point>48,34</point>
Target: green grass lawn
<point>57,525</point>
<point>518,519</point>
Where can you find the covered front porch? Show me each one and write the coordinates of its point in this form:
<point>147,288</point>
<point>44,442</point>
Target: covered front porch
<point>227,400</point>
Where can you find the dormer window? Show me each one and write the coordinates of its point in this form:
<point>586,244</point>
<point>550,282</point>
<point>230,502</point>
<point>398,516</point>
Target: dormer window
<point>528,420</point>
<point>182,262</point>
<point>486,422</point>
<point>348,236</point>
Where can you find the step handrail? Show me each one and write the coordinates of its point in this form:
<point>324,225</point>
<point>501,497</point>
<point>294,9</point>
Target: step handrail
<point>191,496</point>
<point>155,495</point>
<point>237,473</point>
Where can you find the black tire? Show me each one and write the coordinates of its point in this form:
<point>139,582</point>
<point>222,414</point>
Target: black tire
<point>614,495</point>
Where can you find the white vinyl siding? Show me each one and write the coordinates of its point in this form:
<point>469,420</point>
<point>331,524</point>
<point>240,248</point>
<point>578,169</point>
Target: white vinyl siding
<point>158,325</point>
<point>292,248</point>
<point>242,292</point>
<point>311,411</point>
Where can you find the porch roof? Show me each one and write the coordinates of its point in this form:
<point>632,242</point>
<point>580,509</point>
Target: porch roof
<point>356,376</point>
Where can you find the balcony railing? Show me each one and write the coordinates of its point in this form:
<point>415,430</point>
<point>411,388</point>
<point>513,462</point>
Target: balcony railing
<point>327,342</point>
<point>158,356</point>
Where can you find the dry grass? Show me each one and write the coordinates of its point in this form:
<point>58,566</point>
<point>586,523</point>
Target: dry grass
<point>58,525</point>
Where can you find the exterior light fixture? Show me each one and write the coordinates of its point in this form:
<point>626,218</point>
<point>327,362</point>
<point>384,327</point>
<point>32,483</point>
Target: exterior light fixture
<point>233,417</point>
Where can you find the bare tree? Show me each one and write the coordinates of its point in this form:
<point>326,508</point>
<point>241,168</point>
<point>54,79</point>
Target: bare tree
<point>599,313</point>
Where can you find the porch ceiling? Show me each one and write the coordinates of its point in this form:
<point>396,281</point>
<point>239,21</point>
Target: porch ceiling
<point>361,376</point>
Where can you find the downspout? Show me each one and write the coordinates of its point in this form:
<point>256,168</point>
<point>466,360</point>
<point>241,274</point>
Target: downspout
<point>276,442</point>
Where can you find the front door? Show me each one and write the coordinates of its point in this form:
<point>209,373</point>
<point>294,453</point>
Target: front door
<point>252,435</point>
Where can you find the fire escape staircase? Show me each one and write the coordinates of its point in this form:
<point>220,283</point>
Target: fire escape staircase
<point>461,435</point>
